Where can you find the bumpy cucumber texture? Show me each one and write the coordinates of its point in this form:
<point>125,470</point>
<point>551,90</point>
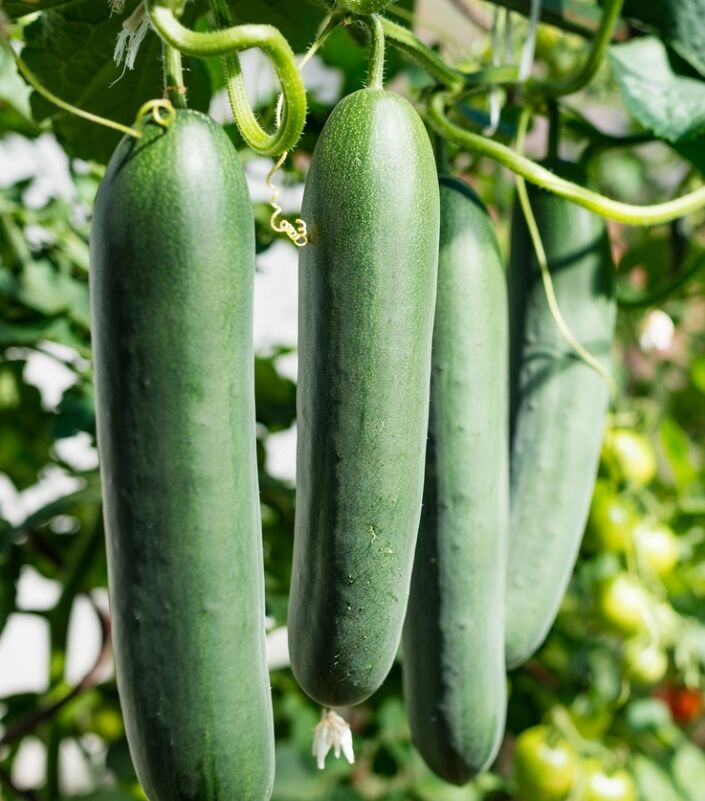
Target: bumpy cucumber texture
<point>172,269</point>
<point>558,405</point>
<point>454,676</point>
<point>367,289</point>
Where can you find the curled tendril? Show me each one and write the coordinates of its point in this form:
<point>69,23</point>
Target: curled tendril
<point>297,234</point>
<point>155,108</point>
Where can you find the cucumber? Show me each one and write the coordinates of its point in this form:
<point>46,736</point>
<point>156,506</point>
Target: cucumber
<point>557,406</point>
<point>367,290</point>
<point>454,675</point>
<point>172,270</point>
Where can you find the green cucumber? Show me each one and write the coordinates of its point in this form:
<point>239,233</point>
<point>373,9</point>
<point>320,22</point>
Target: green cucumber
<point>172,270</point>
<point>557,406</point>
<point>454,675</point>
<point>367,291</point>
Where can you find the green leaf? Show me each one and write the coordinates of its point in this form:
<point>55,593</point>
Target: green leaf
<point>10,564</point>
<point>689,771</point>
<point>276,396</point>
<point>298,20</point>
<point>678,22</point>
<point>653,781</point>
<point>676,447</point>
<point>18,8</point>
<point>14,101</point>
<point>659,89</point>
<point>71,49</point>
<point>31,331</point>
<point>25,437</point>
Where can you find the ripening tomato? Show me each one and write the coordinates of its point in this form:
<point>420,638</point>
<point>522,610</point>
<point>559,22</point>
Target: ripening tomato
<point>611,522</point>
<point>657,547</point>
<point>603,785</point>
<point>545,765</point>
<point>686,703</point>
<point>623,603</point>
<point>631,455</point>
<point>644,663</point>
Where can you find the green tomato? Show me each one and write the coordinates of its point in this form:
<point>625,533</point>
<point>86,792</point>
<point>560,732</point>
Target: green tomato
<point>623,603</point>
<point>545,768</point>
<point>657,547</point>
<point>631,455</point>
<point>644,663</point>
<point>601,785</point>
<point>364,6</point>
<point>611,522</point>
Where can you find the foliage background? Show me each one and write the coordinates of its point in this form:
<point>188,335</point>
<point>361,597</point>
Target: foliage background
<point>653,83</point>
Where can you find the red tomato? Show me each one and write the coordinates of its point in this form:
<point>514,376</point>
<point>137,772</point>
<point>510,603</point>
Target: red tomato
<point>686,703</point>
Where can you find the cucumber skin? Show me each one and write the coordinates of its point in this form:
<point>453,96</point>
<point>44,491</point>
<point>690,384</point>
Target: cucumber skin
<point>557,406</point>
<point>367,290</point>
<point>172,269</point>
<point>454,673</point>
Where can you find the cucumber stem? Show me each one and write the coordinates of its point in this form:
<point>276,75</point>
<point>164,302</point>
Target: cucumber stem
<point>173,76</point>
<point>526,168</point>
<point>375,74</point>
<point>566,86</point>
<point>229,42</point>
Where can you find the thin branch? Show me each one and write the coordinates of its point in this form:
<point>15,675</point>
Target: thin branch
<point>30,723</point>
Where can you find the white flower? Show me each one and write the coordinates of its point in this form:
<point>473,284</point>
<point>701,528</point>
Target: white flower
<point>134,29</point>
<point>656,332</point>
<point>332,732</point>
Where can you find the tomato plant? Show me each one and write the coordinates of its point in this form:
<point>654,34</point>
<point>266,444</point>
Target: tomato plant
<point>657,547</point>
<point>545,765</point>
<point>603,785</point>
<point>623,603</point>
<point>686,703</point>
<point>630,455</point>
<point>612,520</point>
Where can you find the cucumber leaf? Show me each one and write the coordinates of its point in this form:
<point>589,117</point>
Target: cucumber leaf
<point>659,89</point>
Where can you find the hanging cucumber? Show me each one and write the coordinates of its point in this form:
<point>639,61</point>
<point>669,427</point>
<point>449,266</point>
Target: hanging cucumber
<point>454,675</point>
<point>172,269</point>
<point>557,403</point>
<point>366,296</point>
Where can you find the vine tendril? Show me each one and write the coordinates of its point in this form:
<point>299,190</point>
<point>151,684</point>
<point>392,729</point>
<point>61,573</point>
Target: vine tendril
<point>542,260</point>
<point>229,42</point>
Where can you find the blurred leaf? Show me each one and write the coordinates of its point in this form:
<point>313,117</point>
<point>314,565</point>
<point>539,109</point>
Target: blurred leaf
<point>276,396</point>
<point>697,373</point>
<point>80,37</point>
<point>689,771</point>
<point>103,795</point>
<point>14,101</point>
<point>119,762</point>
<point>75,412</point>
<point>298,20</point>
<point>654,783</point>
<point>25,436</point>
<point>676,448</point>
<point>646,714</point>
<point>45,289</point>
<point>10,565</point>
<point>17,8</point>
<point>297,778</point>
<point>659,89</point>
<point>678,22</point>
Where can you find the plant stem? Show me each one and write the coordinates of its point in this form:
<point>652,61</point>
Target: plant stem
<point>37,85</point>
<point>229,42</point>
<point>600,43</point>
<point>612,209</point>
<point>405,40</point>
<point>173,76</point>
<point>58,631</point>
<point>375,73</point>
<point>663,292</point>
<point>574,16</point>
